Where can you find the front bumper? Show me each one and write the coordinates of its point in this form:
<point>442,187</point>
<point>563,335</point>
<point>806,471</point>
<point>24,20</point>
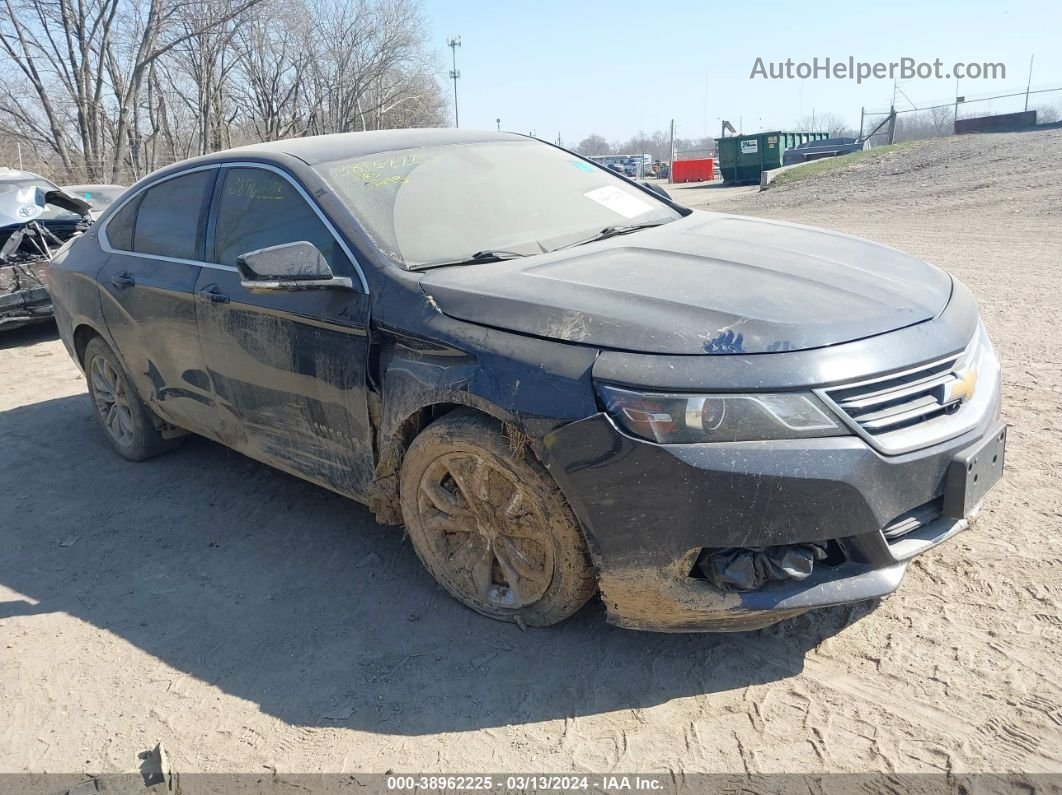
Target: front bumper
<point>649,510</point>
<point>25,306</point>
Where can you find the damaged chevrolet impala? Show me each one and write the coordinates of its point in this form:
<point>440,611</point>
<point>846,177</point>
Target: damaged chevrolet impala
<point>560,381</point>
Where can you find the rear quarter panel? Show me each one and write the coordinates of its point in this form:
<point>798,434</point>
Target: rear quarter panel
<point>75,291</point>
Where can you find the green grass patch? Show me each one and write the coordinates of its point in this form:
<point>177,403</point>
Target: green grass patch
<point>829,165</point>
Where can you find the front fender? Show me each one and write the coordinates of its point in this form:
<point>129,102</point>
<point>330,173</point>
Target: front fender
<point>533,385</point>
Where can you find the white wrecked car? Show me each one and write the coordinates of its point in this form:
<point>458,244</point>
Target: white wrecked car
<point>36,219</point>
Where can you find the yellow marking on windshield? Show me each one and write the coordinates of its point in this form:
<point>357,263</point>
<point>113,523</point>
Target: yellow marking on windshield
<point>377,172</point>
<point>248,188</point>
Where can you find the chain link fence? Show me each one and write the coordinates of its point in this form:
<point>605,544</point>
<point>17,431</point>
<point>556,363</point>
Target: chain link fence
<point>936,118</point>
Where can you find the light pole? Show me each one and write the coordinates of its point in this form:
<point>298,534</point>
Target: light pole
<point>453,43</point>
<point>498,120</point>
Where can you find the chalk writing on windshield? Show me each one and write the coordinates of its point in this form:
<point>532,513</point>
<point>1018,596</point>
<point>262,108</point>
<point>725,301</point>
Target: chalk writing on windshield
<point>378,172</point>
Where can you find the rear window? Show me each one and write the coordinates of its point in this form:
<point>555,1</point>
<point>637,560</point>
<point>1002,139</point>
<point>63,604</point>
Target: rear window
<point>167,222</point>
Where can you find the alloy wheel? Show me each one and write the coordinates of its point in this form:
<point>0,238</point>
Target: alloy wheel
<point>488,537</point>
<point>112,401</point>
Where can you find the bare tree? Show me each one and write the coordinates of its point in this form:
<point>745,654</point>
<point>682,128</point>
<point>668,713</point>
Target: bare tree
<point>206,56</point>
<point>593,145</point>
<point>114,88</point>
<point>353,69</point>
<point>1048,114</point>
<point>830,123</point>
<point>272,64</point>
<point>942,118</point>
<point>58,48</point>
<point>84,65</point>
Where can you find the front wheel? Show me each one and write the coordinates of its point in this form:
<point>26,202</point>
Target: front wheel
<point>488,522</point>
<point>123,415</point>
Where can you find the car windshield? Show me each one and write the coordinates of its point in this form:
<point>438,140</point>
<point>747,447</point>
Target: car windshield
<point>447,204</point>
<point>98,196</point>
<point>22,200</point>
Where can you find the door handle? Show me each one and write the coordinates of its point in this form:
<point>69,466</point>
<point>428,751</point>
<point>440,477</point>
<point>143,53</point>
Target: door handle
<point>123,280</point>
<point>214,295</point>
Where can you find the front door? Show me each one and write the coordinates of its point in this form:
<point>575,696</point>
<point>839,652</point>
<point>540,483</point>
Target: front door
<point>288,369</point>
<point>155,243</point>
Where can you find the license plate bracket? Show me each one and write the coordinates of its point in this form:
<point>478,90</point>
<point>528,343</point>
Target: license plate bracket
<point>973,472</point>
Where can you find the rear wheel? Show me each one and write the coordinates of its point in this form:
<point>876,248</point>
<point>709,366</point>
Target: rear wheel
<point>489,523</point>
<point>127,422</point>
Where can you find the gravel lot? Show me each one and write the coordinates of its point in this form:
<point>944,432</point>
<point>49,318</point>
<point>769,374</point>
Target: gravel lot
<point>251,621</point>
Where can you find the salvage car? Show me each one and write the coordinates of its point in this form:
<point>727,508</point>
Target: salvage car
<point>36,219</point>
<point>575,386</point>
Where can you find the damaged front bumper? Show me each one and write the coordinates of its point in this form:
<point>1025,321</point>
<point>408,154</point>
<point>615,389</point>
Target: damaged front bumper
<point>25,252</point>
<point>655,513</point>
<point>24,305</point>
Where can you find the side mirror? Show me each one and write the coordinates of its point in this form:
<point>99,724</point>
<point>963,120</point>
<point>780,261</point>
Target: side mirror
<point>288,266</point>
<point>289,261</point>
<point>656,189</point>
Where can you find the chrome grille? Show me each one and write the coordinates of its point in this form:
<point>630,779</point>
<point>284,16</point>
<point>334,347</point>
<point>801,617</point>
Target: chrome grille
<point>923,405</point>
<point>912,397</point>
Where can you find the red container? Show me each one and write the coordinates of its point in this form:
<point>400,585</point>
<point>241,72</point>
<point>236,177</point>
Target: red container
<point>693,170</point>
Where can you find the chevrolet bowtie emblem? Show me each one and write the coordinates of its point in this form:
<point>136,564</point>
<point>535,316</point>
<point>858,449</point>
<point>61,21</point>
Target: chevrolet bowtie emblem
<point>960,389</point>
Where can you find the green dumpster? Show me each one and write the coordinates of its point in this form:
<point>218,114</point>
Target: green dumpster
<point>743,157</point>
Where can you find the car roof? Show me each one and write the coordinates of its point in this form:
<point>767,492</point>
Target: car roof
<point>339,146</point>
<point>15,175</point>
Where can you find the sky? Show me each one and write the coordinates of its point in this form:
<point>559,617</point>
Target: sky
<point>617,68</point>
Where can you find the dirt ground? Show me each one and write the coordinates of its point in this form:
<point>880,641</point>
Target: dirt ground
<point>251,621</point>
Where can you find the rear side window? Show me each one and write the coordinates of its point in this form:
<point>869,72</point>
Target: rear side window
<point>120,227</point>
<point>167,223</point>
<point>259,208</point>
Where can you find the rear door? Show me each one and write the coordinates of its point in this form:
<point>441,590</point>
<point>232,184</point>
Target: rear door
<point>155,243</point>
<point>288,369</point>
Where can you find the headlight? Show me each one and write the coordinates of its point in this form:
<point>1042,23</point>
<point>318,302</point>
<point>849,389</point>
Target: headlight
<point>689,419</point>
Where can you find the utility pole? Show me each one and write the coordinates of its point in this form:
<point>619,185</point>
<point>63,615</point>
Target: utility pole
<point>671,161</point>
<point>955,110</point>
<point>453,43</point>
<point>1028,85</point>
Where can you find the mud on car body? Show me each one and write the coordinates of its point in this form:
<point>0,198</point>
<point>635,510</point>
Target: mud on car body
<point>36,219</point>
<point>569,386</point>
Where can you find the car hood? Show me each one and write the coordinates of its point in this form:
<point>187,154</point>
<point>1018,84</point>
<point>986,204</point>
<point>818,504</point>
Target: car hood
<point>20,204</point>
<point>705,284</point>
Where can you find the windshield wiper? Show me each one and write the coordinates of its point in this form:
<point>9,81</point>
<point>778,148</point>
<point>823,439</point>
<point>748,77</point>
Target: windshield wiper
<point>613,231</point>
<point>489,255</point>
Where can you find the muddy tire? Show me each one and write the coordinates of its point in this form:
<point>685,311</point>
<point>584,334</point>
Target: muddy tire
<point>126,421</point>
<point>488,522</point>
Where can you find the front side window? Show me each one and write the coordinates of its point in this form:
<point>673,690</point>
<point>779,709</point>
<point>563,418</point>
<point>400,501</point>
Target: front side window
<point>260,208</point>
<point>167,221</point>
<point>446,203</point>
